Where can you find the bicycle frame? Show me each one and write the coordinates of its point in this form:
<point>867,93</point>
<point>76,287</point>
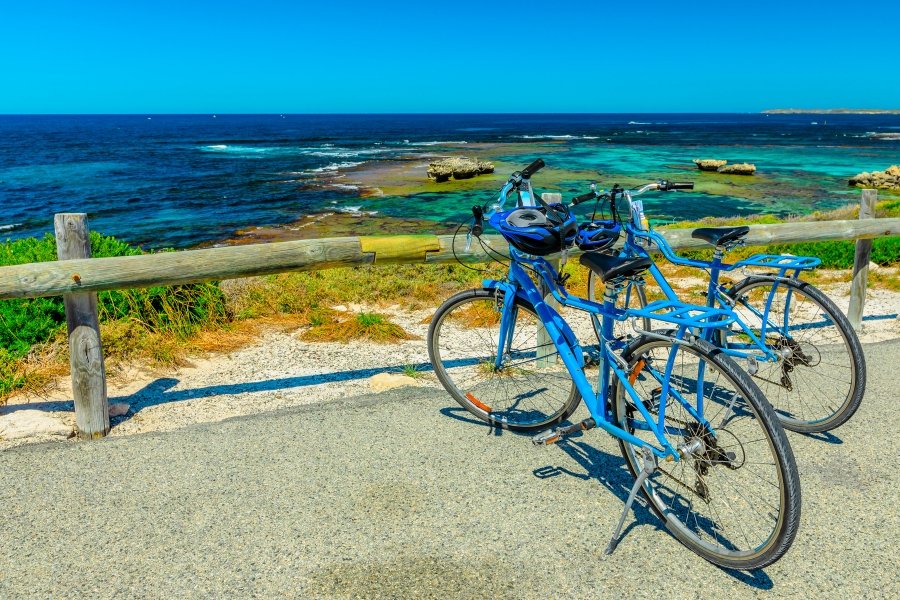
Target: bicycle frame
<point>717,293</point>
<point>519,284</point>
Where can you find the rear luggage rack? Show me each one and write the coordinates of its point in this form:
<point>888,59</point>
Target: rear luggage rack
<point>683,315</point>
<point>780,261</point>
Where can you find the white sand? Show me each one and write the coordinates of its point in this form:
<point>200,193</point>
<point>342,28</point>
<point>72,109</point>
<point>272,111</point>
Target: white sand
<point>280,370</point>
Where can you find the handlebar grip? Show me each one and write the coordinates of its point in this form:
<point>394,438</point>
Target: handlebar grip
<point>680,185</point>
<point>583,198</point>
<point>478,225</point>
<point>532,168</point>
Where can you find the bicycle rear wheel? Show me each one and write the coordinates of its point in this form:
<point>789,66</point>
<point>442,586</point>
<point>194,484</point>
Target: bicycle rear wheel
<point>529,391</point>
<point>735,498</point>
<point>819,379</point>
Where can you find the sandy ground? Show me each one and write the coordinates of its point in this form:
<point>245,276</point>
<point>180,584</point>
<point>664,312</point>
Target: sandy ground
<point>280,370</point>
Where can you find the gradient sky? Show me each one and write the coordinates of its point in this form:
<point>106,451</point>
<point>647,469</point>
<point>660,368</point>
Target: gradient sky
<point>99,56</point>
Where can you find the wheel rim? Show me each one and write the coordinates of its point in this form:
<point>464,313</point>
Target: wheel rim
<point>729,506</point>
<point>814,378</point>
<point>531,386</point>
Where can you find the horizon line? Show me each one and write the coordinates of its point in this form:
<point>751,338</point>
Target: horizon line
<point>315,114</point>
<point>782,111</point>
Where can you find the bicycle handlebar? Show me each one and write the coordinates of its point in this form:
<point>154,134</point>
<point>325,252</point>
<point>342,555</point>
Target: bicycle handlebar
<point>678,185</point>
<point>583,198</point>
<point>533,168</point>
<point>478,225</point>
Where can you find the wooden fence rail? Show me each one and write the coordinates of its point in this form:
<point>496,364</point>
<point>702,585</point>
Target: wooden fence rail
<point>172,268</point>
<point>77,279</point>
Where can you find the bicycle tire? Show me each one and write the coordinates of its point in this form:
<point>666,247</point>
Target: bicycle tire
<point>524,394</point>
<point>710,536</point>
<point>837,400</point>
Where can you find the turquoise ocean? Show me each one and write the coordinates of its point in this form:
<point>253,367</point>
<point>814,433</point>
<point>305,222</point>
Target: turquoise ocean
<point>183,180</point>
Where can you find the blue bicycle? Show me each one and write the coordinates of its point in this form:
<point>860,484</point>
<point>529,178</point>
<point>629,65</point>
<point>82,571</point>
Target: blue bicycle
<point>798,346</point>
<point>700,438</point>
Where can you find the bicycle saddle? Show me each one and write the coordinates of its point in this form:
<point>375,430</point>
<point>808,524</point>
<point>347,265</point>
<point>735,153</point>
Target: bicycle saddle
<point>611,267</point>
<point>720,235</point>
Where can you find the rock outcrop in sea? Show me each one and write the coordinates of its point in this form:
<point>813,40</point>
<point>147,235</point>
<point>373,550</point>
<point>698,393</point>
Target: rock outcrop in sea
<point>458,168</point>
<point>738,169</point>
<point>889,179</point>
<point>722,166</point>
<point>709,164</point>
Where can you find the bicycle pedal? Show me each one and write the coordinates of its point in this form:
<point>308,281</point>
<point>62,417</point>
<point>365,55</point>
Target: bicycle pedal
<point>554,435</point>
<point>546,438</point>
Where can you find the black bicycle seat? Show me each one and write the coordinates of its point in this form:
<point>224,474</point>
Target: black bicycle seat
<point>720,235</point>
<point>610,267</point>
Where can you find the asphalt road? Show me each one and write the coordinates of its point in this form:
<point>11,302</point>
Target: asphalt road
<point>401,496</point>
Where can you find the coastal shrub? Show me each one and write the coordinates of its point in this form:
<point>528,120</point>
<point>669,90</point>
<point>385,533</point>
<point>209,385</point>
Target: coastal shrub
<point>175,311</point>
<point>839,254</point>
<point>362,326</point>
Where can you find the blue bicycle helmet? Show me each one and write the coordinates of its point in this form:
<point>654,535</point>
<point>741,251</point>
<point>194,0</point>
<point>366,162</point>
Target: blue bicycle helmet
<point>537,230</point>
<point>598,235</point>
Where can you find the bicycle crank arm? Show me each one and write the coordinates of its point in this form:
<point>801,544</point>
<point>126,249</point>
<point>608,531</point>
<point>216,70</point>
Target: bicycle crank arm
<point>554,435</point>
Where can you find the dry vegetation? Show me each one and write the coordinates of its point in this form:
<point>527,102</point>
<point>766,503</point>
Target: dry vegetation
<point>162,328</point>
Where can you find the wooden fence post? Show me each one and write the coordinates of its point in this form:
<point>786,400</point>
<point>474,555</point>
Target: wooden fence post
<point>546,351</point>
<point>85,351</point>
<point>861,263</point>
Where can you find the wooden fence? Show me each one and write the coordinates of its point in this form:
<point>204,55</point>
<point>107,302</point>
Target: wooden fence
<point>77,277</point>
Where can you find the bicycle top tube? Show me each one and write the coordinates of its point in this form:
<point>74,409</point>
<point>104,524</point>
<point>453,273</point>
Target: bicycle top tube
<point>680,314</point>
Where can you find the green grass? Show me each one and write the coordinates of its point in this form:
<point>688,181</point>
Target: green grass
<point>362,326</point>
<point>836,254</point>
<point>162,312</point>
<point>161,324</point>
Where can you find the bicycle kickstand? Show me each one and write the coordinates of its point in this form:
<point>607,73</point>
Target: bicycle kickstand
<point>650,466</point>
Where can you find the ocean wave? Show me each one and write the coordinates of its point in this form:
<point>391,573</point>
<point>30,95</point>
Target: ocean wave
<point>639,123</point>
<point>558,137</point>
<point>438,143</point>
<point>349,152</point>
<point>548,137</point>
<point>356,210</point>
<point>10,227</point>
<point>885,136</point>
<point>333,167</point>
<point>325,150</point>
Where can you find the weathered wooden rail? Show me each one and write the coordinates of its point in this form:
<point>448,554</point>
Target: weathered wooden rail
<point>78,279</point>
<point>172,268</point>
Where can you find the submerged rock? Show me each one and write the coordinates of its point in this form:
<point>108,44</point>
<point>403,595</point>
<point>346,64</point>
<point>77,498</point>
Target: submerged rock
<point>709,164</point>
<point>458,168</point>
<point>889,179</point>
<point>738,169</point>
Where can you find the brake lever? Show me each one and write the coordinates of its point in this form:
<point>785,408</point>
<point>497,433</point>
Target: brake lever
<point>477,227</point>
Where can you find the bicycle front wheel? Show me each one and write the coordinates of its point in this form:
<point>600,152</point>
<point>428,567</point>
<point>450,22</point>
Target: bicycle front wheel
<point>819,378</point>
<point>527,389</point>
<point>734,498</point>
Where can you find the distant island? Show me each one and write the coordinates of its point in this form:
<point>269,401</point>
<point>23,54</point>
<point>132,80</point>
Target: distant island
<point>831,111</point>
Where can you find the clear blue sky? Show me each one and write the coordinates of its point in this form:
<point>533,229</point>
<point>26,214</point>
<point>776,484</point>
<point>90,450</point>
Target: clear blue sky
<point>98,56</point>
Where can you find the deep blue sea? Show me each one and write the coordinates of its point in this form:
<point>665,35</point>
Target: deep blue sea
<point>181,180</point>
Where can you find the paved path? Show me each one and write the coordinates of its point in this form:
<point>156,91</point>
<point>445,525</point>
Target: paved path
<point>400,496</point>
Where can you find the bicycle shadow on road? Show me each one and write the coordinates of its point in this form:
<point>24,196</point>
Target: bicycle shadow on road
<point>460,414</point>
<point>611,471</point>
